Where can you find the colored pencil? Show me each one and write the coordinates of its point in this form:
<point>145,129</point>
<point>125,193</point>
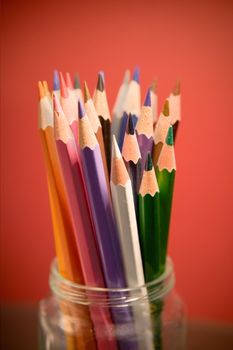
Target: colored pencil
<point>132,157</point>
<point>144,129</point>
<point>69,106</point>
<point>83,226</point>
<point>131,105</point>
<point>149,221</point>
<point>66,251</point>
<point>150,238</point>
<point>68,259</point>
<point>97,128</point>
<point>160,132</point>
<point>123,204</point>
<point>102,109</point>
<point>117,110</point>
<point>175,108</point>
<point>165,172</point>
<point>106,231</point>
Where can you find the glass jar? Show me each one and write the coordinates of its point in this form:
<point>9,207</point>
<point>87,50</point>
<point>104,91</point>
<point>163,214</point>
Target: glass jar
<point>80,317</point>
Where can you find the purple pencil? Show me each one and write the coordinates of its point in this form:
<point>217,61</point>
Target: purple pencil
<point>144,129</point>
<point>105,226</point>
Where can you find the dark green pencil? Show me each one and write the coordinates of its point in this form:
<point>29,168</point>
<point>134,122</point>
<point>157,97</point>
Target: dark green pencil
<point>148,220</point>
<point>165,173</point>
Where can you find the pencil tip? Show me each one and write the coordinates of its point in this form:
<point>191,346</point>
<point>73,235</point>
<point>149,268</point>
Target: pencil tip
<point>81,111</point>
<point>100,82</point>
<point>87,95</point>
<point>136,74</point>
<point>169,138</point>
<point>115,148</point>
<point>149,162</point>
<point>76,81</point>
<point>176,90</point>
<point>130,125</point>
<point>56,81</point>
<point>147,101</point>
<point>166,108</point>
<point>64,92</point>
<point>69,82</point>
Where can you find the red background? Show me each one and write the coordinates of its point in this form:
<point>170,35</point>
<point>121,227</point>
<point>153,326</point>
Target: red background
<point>167,39</point>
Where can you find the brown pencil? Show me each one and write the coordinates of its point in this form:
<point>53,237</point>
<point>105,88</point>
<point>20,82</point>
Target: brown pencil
<point>97,128</point>
<point>102,109</point>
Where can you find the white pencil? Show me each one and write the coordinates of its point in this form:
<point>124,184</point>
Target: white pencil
<point>123,205</point>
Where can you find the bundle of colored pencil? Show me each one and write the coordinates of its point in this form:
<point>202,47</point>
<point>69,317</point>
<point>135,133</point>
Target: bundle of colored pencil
<point>111,181</point>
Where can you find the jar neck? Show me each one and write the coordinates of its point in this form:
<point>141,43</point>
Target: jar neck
<point>85,295</point>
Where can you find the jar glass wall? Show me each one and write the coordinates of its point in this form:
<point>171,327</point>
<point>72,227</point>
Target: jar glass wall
<point>145,318</point>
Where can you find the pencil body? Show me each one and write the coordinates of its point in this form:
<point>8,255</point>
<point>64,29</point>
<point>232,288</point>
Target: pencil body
<point>83,227</point>
<point>123,204</point>
<point>166,184</point>
<point>165,172</point>
<point>149,231</point>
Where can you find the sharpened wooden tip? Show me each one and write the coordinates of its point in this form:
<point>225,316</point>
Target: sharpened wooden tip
<point>130,126</point>
<point>56,104</point>
<point>100,83</point>
<point>149,162</point>
<point>77,82</point>
<point>176,90</point>
<point>41,90</point>
<point>119,174</point>
<point>64,92</point>
<point>166,108</point>
<point>116,153</point>
<point>87,95</point>
<point>169,138</point>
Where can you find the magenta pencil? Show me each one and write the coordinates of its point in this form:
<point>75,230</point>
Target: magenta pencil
<point>69,106</point>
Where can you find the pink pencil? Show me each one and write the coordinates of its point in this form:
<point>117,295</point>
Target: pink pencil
<point>69,106</point>
<point>82,222</point>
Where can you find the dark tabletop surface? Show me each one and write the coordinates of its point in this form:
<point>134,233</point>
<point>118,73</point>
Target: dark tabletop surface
<point>18,330</point>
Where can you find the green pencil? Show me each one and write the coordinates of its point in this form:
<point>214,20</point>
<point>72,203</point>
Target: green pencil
<point>165,173</point>
<point>149,234</point>
<point>148,220</point>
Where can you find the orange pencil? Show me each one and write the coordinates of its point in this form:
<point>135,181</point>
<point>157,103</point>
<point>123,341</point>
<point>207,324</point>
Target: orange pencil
<point>66,252</point>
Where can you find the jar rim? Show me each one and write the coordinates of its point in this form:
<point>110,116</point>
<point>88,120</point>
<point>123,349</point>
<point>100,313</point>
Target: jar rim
<point>79,293</point>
